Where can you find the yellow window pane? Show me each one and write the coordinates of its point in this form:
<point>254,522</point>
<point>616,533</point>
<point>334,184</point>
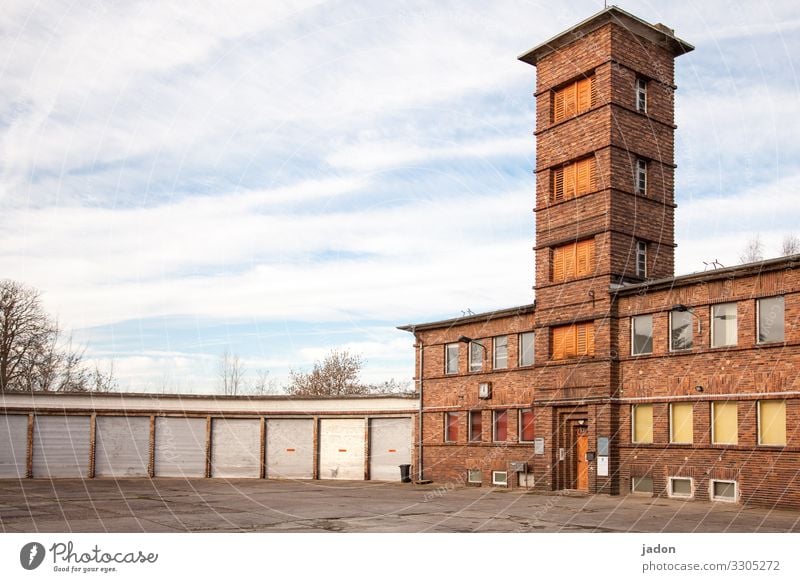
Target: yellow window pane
<point>772,422</point>
<point>725,416</point>
<point>682,419</point>
<point>642,423</point>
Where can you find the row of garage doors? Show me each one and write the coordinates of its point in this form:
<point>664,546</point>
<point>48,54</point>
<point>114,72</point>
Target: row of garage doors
<point>278,448</point>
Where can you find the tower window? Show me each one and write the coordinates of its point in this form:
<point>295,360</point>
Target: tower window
<point>570,341</point>
<point>641,94</point>
<point>573,99</point>
<point>573,260</point>
<point>641,259</point>
<point>641,176</point>
<point>574,179</point>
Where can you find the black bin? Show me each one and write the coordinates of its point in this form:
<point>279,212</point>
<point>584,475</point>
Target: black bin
<point>405,473</point>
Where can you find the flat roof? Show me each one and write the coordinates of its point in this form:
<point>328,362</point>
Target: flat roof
<point>657,33</point>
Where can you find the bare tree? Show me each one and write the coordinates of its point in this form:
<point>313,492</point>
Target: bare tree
<point>263,385</point>
<point>753,251</point>
<point>33,355</point>
<point>231,373</point>
<point>336,375</point>
<point>790,245</point>
<point>392,386</point>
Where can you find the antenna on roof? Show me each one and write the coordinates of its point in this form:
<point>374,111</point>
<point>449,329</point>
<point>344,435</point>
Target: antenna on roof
<point>713,264</point>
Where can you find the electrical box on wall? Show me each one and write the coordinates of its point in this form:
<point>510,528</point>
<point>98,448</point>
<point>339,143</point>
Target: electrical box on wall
<point>485,390</point>
<point>518,466</point>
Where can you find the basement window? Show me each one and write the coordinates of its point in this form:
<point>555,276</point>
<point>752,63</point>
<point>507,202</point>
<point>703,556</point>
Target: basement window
<point>724,491</point>
<point>500,478</point>
<point>474,476</point>
<point>642,485</point>
<point>681,487</point>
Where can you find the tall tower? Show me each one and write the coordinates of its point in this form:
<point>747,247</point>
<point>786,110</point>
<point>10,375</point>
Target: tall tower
<point>604,216</point>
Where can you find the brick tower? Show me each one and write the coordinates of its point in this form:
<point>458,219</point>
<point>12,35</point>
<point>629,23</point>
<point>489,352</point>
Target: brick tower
<point>604,218</point>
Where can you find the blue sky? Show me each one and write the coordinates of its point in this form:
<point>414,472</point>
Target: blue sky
<point>283,178</point>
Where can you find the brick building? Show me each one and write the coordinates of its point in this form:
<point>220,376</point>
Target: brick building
<point>621,378</point>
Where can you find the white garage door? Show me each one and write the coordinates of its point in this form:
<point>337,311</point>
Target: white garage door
<point>180,447</point>
<point>236,448</point>
<point>290,448</point>
<point>13,446</point>
<point>389,447</point>
<point>61,446</point>
<point>341,448</point>
<point>122,446</point>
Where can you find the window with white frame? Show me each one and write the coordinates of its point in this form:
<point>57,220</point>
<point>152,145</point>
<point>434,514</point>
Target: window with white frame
<point>770,320</point>
<point>474,476</point>
<point>641,259</point>
<point>640,182</point>
<point>500,478</point>
<point>641,94</point>
<point>451,359</point>
<point>500,359</point>
<point>641,335</point>
<point>642,485</point>
<point>724,331</point>
<point>526,349</point>
<point>723,490</point>
<point>475,356</point>
<point>680,331</point>
<point>681,487</point>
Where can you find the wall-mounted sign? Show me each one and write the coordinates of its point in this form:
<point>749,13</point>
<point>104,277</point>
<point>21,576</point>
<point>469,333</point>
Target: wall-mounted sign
<point>602,466</point>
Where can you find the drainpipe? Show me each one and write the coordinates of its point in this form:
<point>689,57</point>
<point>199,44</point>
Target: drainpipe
<point>419,385</point>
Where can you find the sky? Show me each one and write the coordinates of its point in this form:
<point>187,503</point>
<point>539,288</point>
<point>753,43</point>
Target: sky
<point>279,179</point>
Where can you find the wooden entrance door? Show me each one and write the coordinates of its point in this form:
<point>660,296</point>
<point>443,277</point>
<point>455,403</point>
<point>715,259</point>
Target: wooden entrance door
<point>581,464</point>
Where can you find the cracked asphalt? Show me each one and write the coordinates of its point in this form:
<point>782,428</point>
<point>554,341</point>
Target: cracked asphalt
<point>248,505</point>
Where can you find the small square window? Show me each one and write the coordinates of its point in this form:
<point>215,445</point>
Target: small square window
<point>451,359</point>
<point>724,491</point>
<point>641,335</point>
<point>642,485</point>
<point>724,330</point>
<point>474,476</point>
<point>476,352</point>
<point>526,349</point>
<point>770,320</point>
<point>680,487</point>
<point>680,331</point>
<point>500,360</point>
<point>500,478</point>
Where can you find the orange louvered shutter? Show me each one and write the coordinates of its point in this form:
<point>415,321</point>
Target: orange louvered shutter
<point>569,181</point>
<point>558,265</point>
<point>569,261</point>
<point>558,343</point>
<point>581,177</point>
<point>589,338</point>
<point>584,261</point>
<point>584,90</point>
<point>580,340</point>
<point>558,106</point>
<point>558,185</point>
<point>570,100</point>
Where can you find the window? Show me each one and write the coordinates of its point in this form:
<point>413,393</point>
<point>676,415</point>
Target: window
<point>500,426</point>
<point>723,491</point>
<point>641,259</point>
<point>680,487</point>
<point>641,94</point>
<point>680,330</point>
<point>570,341</point>
<point>681,422</point>
<point>573,260</point>
<point>500,360</point>
<point>772,422</point>
<point>526,433</point>
<point>474,476</point>
<point>723,325</point>
<point>451,427</point>
<point>642,423</point>
<point>451,359</point>
<point>641,335</point>
<point>640,181</point>
<point>575,98</point>
<point>500,478</point>
<point>573,179</point>
<point>770,320</point>
<point>526,349</point>
<point>476,352</point>
<point>475,426</point>
<point>642,485</point>
<point>724,423</point>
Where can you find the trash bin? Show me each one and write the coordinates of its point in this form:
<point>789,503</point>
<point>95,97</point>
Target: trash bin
<point>405,473</point>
